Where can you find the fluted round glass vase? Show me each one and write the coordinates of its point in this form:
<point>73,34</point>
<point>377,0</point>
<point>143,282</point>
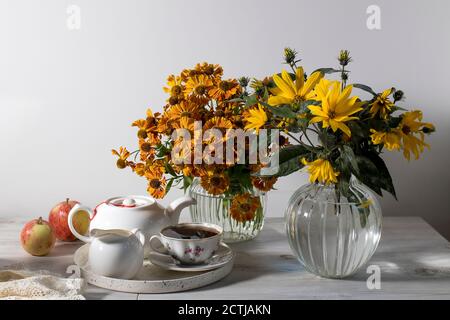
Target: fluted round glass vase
<point>332,235</point>
<point>216,209</point>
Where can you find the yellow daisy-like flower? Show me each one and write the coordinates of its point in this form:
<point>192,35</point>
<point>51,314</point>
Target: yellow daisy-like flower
<point>184,123</point>
<point>198,87</point>
<point>221,123</point>
<point>218,123</point>
<point>175,88</point>
<point>148,127</point>
<point>140,169</point>
<point>391,139</point>
<point>411,128</point>
<point>337,108</point>
<point>174,85</point>
<point>321,171</point>
<point>288,91</point>
<point>256,118</point>
<point>215,182</point>
<point>156,184</point>
<point>213,71</point>
<point>321,89</point>
<point>123,155</point>
<point>146,149</point>
<point>184,109</point>
<point>413,144</point>
<point>382,105</point>
<point>243,207</point>
<point>225,89</point>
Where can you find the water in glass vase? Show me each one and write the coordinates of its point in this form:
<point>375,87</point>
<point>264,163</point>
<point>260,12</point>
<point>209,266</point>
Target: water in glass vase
<point>216,209</point>
<point>332,235</point>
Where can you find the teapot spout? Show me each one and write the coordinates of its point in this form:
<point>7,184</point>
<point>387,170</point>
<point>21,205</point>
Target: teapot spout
<point>174,209</point>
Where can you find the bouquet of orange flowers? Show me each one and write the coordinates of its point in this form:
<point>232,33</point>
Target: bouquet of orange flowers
<point>199,99</point>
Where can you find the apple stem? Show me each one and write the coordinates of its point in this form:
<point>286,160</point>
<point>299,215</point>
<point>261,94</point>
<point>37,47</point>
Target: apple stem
<point>67,200</point>
<point>39,220</point>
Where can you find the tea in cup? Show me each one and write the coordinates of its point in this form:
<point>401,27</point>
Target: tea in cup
<point>188,243</point>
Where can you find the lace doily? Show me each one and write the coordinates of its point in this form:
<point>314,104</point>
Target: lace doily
<point>26,285</point>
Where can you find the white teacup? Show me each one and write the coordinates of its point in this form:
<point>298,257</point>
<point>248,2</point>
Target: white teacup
<point>189,243</point>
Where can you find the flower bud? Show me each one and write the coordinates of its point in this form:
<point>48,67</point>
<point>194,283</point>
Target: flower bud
<point>290,55</point>
<point>121,164</point>
<point>398,95</point>
<point>344,57</point>
<point>244,81</point>
<point>428,128</point>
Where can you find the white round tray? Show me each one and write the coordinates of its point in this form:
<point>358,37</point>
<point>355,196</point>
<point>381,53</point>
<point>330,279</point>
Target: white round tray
<point>151,278</point>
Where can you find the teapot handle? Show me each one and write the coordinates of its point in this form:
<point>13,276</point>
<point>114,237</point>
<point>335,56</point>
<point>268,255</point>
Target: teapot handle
<point>138,233</point>
<point>175,207</point>
<point>72,213</point>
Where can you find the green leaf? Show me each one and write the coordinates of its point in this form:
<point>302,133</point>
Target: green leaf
<point>356,129</point>
<point>394,122</point>
<point>250,100</point>
<point>384,177</point>
<point>237,100</point>
<point>374,173</point>
<point>266,94</point>
<point>161,150</point>
<point>187,181</point>
<point>326,70</point>
<point>364,88</point>
<point>368,172</point>
<point>283,111</point>
<point>288,161</point>
<point>304,105</point>
<point>350,158</point>
<point>344,180</point>
<point>169,169</point>
<point>310,102</point>
<point>363,217</point>
<point>169,185</point>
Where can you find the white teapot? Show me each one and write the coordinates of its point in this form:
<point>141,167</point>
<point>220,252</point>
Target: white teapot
<point>131,212</point>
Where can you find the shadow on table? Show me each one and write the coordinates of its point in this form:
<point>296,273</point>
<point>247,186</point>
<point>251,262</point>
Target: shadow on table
<point>249,266</point>
<point>6,263</point>
<point>65,248</point>
<point>408,266</point>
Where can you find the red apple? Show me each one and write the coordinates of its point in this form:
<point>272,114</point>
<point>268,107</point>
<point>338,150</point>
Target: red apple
<point>37,237</point>
<point>58,218</point>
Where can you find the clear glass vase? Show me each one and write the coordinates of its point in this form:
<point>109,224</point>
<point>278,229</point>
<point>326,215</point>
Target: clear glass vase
<point>216,209</point>
<point>332,235</point>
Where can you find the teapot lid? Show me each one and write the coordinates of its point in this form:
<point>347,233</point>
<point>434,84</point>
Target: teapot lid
<point>129,201</point>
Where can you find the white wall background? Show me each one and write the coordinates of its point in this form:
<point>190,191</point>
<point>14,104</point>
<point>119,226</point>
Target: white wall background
<point>68,97</point>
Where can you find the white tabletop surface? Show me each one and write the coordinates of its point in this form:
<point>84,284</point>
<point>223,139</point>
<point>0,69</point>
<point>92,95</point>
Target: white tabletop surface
<point>413,258</point>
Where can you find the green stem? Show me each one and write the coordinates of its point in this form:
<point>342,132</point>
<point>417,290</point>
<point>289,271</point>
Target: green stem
<point>292,67</point>
<point>344,82</point>
<point>307,138</point>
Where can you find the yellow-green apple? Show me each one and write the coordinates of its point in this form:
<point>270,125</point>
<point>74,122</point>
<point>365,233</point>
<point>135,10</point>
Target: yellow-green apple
<point>58,219</point>
<point>37,237</point>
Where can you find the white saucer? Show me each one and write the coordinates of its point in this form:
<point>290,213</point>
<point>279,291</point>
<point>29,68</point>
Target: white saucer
<point>222,256</point>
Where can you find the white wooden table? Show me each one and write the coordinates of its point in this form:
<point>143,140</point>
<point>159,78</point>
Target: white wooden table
<point>414,261</point>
